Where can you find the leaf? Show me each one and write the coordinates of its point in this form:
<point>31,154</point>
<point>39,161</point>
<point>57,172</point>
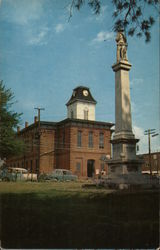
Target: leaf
<point>151,20</point>
<point>134,18</point>
<point>115,14</point>
<point>139,34</point>
<point>138,12</point>
<point>148,36</point>
<point>145,25</point>
<point>125,5</point>
<point>131,31</point>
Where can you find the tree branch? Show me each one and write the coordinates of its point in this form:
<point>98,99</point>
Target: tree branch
<point>70,9</point>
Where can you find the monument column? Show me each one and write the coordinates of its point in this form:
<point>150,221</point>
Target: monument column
<point>124,143</point>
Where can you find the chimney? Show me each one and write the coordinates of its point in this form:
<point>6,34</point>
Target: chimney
<point>35,119</point>
<point>18,129</point>
<point>26,124</point>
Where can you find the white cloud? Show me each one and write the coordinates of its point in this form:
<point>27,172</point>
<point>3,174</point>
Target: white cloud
<point>38,38</point>
<point>136,81</point>
<point>22,12</point>
<point>139,134</point>
<point>59,27</point>
<point>103,36</point>
<point>143,143</point>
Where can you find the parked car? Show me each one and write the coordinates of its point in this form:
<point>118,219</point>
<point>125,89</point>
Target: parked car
<point>59,175</point>
<point>17,174</point>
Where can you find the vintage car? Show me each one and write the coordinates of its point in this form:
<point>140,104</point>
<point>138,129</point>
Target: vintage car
<point>59,175</point>
<point>17,174</point>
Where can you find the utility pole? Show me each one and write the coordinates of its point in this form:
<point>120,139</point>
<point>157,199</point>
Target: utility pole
<point>39,115</point>
<point>38,134</point>
<point>150,132</point>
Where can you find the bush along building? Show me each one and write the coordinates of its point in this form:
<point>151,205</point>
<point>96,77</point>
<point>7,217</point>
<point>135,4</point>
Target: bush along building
<point>78,143</point>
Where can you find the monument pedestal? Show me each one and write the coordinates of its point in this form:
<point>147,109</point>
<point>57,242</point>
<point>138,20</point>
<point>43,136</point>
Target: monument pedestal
<point>124,159</point>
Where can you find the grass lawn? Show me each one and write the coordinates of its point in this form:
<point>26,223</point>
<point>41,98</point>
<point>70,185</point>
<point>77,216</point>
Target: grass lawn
<point>65,215</point>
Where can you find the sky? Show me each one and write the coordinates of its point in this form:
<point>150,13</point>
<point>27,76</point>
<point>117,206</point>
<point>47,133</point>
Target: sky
<point>44,56</point>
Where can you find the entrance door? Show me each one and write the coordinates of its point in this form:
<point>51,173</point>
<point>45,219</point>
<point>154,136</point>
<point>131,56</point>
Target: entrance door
<point>90,168</point>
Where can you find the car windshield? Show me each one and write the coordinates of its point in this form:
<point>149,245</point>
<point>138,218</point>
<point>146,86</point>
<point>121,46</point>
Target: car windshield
<point>66,172</point>
<point>62,172</point>
<point>17,170</point>
<point>58,172</point>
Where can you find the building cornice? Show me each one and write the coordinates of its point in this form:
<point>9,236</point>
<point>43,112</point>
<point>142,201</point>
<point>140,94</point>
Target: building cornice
<point>82,123</point>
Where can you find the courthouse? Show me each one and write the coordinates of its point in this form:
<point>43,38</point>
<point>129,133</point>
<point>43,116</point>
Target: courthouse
<point>78,143</point>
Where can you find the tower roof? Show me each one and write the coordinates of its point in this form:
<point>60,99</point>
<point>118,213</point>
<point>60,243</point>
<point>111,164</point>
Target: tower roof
<point>83,94</point>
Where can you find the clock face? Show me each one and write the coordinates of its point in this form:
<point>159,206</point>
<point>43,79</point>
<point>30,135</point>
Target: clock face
<point>85,92</point>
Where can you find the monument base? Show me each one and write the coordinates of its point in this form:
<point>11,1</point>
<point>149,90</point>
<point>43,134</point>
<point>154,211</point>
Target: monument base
<point>127,172</point>
<point>124,159</point>
<point>124,166</point>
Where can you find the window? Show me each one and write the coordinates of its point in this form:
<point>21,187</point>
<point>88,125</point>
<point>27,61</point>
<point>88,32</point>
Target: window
<point>85,114</point>
<point>63,139</point>
<point>101,140</point>
<point>90,139</point>
<point>31,166</point>
<point>78,167</point>
<point>32,142</point>
<point>72,115</point>
<point>79,139</point>
<point>27,164</point>
<point>37,165</point>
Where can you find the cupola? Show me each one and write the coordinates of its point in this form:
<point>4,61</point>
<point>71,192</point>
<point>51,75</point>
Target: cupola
<point>81,105</point>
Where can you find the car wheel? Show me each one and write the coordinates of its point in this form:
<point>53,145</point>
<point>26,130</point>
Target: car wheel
<point>5,179</point>
<point>55,179</point>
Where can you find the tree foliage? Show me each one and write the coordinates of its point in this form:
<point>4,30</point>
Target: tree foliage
<point>131,15</point>
<point>9,144</point>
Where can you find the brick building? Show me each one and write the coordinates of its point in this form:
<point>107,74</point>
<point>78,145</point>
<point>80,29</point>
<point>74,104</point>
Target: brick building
<point>154,160</point>
<point>78,143</point>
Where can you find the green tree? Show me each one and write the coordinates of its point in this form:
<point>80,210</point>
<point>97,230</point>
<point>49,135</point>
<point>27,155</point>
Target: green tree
<point>10,144</point>
<point>131,15</point>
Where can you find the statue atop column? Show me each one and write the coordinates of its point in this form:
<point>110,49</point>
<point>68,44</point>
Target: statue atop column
<point>121,46</point>
<point>124,159</point>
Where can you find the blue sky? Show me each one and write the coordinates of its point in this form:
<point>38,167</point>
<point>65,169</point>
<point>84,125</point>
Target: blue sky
<point>43,57</point>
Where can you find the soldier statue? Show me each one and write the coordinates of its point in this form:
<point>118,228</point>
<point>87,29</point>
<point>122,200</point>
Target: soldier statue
<point>121,46</point>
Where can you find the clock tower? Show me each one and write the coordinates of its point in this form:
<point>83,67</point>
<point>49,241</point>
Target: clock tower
<point>81,104</point>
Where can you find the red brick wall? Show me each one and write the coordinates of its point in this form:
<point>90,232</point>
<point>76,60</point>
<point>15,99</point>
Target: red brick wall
<point>58,148</point>
<point>24,160</point>
<point>62,147</point>
<point>83,154</point>
<point>30,157</point>
<point>47,150</point>
<point>155,162</point>
<point>68,155</point>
